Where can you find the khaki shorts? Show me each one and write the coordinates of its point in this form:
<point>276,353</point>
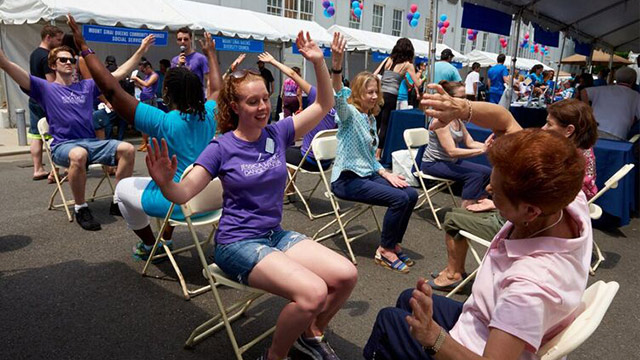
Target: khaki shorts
<point>482,224</point>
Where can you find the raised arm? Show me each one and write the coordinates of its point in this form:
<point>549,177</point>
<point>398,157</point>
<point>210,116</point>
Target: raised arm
<point>214,85</point>
<point>123,103</point>
<point>449,146</point>
<point>302,83</point>
<point>311,116</point>
<point>18,74</point>
<point>446,108</point>
<point>337,54</point>
<point>125,69</point>
<point>417,81</point>
<point>152,80</point>
<point>234,65</point>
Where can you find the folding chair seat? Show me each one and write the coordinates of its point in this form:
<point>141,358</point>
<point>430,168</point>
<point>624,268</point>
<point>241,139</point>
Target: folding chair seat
<point>298,169</point>
<point>324,148</point>
<point>43,129</point>
<point>470,240</point>
<point>595,212</point>
<point>594,305</point>
<point>209,201</point>
<point>416,138</point>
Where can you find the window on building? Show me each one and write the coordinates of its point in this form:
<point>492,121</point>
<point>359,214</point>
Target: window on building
<point>378,16</point>
<point>306,10</point>
<point>396,25</point>
<point>274,7</point>
<point>463,39</point>
<point>291,8</point>
<point>485,38</point>
<point>297,9</point>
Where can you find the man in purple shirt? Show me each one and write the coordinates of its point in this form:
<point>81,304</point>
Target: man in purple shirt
<point>69,108</point>
<point>189,58</point>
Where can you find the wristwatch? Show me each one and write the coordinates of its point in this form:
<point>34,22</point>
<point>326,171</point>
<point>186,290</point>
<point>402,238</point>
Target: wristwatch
<point>433,349</point>
<point>87,52</point>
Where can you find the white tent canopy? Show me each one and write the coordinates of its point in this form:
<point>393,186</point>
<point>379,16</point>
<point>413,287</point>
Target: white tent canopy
<point>487,59</point>
<point>367,40</point>
<point>288,28</point>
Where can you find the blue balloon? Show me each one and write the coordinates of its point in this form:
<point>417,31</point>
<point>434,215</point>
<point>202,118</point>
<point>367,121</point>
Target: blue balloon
<point>331,4</point>
<point>416,15</point>
<point>414,22</point>
<point>443,17</point>
<point>357,11</point>
<point>326,4</point>
<point>409,16</point>
<point>326,13</point>
<point>355,5</point>
<point>532,49</point>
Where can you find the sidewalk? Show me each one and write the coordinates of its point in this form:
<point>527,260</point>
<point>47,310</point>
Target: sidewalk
<point>9,143</point>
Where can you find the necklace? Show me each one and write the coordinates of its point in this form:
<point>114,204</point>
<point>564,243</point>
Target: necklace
<point>548,227</point>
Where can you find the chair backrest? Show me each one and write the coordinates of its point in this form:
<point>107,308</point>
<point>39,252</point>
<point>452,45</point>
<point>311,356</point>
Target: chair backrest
<point>595,211</point>
<point>415,138</point>
<point>209,199</point>
<point>325,145</point>
<point>43,127</point>
<point>612,182</point>
<point>595,302</point>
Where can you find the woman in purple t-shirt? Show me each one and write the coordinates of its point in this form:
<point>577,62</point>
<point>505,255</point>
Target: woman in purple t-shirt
<point>291,95</point>
<point>249,160</point>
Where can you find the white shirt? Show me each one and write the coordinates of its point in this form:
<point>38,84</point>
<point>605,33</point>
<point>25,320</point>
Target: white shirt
<point>472,78</point>
<point>615,108</point>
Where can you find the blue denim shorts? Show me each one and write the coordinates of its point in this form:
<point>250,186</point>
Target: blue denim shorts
<point>237,259</point>
<point>36,112</point>
<point>99,151</point>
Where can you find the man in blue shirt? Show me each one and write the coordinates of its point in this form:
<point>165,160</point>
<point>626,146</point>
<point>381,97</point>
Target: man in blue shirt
<point>444,70</point>
<point>498,76</point>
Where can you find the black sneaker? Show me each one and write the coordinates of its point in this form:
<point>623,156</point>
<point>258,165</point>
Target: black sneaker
<point>315,349</point>
<point>114,210</point>
<point>86,220</point>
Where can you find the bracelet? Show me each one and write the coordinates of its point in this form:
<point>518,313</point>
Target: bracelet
<point>470,112</point>
<point>85,53</point>
<point>433,349</point>
<point>334,71</point>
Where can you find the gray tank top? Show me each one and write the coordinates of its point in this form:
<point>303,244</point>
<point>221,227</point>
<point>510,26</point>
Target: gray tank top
<point>435,151</point>
<point>391,82</point>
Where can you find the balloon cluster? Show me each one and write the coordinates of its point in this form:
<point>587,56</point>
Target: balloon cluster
<point>503,43</point>
<point>443,24</point>
<point>472,34</point>
<point>329,8</point>
<point>525,42</point>
<point>356,9</point>
<point>413,16</point>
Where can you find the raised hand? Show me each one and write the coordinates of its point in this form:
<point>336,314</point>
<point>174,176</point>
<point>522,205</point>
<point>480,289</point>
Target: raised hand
<point>266,57</point>
<point>207,44</point>
<point>421,324</point>
<point>442,106</point>
<point>147,42</point>
<point>308,48</point>
<point>337,50</point>
<point>77,34</point>
<point>161,168</point>
<point>238,61</point>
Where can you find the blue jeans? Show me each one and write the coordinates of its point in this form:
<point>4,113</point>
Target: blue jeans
<point>391,338</point>
<point>474,176</point>
<point>237,259</point>
<point>375,190</point>
<point>99,151</point>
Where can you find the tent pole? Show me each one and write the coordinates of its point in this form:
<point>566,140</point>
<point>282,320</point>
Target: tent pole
<point>589,58</point>
<point>366,60</point>
<point>514,53</point>
<point>346,65</point>
<point>610,76</point>
<point>555,83</point>
<point>434,41</point>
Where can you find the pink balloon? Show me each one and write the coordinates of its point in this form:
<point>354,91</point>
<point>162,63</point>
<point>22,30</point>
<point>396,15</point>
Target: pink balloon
<point>469,32</point>
<point>443,30</point>
<point>414,8</point>
<point>361,6</point>
<point>446,23</point>
<point>526,36</point>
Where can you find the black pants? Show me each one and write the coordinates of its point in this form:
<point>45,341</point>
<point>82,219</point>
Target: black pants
<point>382,120</point>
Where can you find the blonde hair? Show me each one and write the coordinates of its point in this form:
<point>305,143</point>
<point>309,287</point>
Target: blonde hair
<point>226,117</point>
<point>358,88</point>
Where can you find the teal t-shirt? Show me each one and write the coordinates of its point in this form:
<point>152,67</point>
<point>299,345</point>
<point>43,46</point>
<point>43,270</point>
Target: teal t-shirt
<point>445,71</point>
<point>186,136</point>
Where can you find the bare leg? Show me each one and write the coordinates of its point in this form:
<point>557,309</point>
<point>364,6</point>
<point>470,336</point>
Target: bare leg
<point>466,203</point>
<point>78,173</point>
<point>125,156</point>
<point>145,142</point>
<point>36,156</point>
<point>146,235</point>
<point>390,254</point>
<point>289,190</point>
<point>456,255</point>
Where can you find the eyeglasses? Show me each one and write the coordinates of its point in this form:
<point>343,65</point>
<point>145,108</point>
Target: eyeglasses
<point>65,60</point>
<point>239,74</point>
<point>374,143</point>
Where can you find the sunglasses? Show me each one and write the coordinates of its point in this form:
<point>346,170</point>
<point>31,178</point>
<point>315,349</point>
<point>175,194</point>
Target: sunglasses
<point>239,74</point>
<point>374,143</point>
<point>66,60</point>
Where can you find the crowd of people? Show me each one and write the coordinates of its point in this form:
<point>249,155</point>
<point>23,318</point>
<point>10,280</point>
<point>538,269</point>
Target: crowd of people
<point>532,201</point>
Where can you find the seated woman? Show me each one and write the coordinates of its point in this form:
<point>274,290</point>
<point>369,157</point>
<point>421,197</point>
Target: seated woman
<point>358,176</point>
<point>443,157</point>
<point>249,160</point>
<point>190,118</point>
<point>296,153</point>
<point>291,95</point>
<point>531,281</point>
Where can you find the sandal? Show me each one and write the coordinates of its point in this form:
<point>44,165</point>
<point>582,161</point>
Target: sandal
<point>446,288</point>
<point>40,177</point>
<point>405,258</point>
<point>397,265</point>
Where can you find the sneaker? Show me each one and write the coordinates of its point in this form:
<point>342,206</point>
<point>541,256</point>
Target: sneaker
<point>85,219</point>
<point>265,356</point>
<point>114,210</point>
<point>315,349</point>
<point>140,252</point>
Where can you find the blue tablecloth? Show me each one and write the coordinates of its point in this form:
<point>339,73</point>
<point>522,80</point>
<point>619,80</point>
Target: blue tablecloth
<point>400,121</point>
<point>529,117</point>
<point>610,157</point>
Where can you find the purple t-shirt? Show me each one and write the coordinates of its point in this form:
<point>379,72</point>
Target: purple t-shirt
<point>253,175</point>
<point>69,108</point>
<point>327,122</point>
<point>196,62</point>
<point>148,92</point>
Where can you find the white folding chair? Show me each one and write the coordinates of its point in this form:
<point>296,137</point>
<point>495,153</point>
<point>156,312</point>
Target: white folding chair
<point>207,201</point>
<point>594,305</point>
<point>43,129</point>
<point>470,239</point>
<point>325,148</point>
<point>210,219</point>
<point>298,169</point>
<point>415,138</point>
<point>595,212</point>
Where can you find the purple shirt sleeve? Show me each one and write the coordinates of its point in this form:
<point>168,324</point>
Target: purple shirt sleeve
<point>91,86</point>
<point>311,96</point>
<point>38,88</point>
<point>210,158</point>
<point>285,131</point>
